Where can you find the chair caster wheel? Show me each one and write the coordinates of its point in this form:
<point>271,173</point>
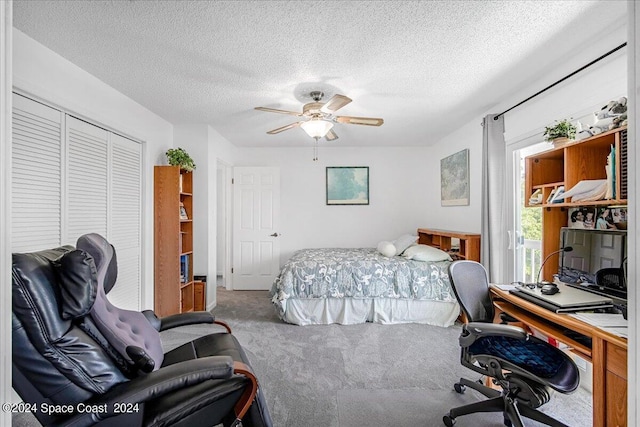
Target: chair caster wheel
<point>459,388</point>
<point>448,421</point>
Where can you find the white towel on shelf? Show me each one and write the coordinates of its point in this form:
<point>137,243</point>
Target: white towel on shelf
<point>586,190</point>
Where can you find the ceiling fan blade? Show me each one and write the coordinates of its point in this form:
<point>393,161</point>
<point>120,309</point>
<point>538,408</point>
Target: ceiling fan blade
<point>275,110</point>
<point>368,121</point>
<point>331,135</point>
<point>283,128</point>
<point>335,103</point>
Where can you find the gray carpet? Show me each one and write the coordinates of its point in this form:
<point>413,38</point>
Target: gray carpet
<point>360,375</point>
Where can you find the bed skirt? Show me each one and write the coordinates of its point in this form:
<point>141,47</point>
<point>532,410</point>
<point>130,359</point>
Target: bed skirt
<point>351,311</point>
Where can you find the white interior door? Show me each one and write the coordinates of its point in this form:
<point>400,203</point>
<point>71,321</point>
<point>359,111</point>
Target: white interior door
<point>256,241</point>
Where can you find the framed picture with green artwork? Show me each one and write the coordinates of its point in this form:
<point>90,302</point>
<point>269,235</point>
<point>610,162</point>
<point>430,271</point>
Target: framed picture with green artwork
<point>454,179</point>
<point>347,185</point>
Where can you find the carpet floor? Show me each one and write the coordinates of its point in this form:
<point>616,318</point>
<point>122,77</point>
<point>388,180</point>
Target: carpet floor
<point>363,375</point>
<point>357,375</point>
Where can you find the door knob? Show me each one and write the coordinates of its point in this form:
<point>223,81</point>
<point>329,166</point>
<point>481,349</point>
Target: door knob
<point>274,235</point>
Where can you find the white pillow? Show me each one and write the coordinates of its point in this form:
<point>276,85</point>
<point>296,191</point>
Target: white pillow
<point>387,249</point>
<point>426,253</point>
<point>403,242</point>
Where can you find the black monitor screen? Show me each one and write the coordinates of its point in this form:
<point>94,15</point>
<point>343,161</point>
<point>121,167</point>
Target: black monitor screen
<point>594,251</point>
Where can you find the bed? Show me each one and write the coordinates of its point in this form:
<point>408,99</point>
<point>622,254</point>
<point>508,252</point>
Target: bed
<point>358,285</point>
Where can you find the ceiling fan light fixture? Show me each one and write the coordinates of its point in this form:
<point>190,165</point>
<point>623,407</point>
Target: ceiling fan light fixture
<point>316,128</point>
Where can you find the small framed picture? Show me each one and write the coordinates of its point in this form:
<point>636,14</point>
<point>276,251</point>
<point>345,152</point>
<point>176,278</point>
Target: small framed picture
<point>183,212</point>
<point>348,185</point>
<point>582,217</point>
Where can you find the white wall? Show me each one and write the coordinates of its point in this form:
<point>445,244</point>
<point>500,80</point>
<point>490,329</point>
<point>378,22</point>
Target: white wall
<point>401,191</point>
<point>193,138</point>
<point>583,94</point>
<point>220,221</point>
<point>458,218</point>
<point>6,24</point>
<point>205,146</point>
<point>405,182</point>
<point>43,74</point>
<point>577,97</point>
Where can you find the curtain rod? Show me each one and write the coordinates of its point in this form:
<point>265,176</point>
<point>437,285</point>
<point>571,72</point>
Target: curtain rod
<point>562,79</point>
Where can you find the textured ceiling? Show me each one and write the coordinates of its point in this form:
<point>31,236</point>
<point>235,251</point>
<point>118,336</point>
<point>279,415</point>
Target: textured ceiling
<point>420,65</point>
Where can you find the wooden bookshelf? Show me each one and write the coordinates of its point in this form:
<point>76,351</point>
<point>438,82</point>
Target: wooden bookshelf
<point>174,290</point>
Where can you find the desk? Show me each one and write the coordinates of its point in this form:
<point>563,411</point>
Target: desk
<point>607,353</point>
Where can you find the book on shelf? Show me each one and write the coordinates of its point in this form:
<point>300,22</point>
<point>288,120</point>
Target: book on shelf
<point>184,268</point>
<point>556,195</point>
<point>536,197</point>
<point>550,198</point>
<point>183,212</point>
<point>181,242</point>
<point>611,174</point>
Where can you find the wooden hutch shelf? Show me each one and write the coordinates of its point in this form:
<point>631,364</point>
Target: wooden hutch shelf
<point>469,242</point>
<point>576,161</point>
<point>567,165</point>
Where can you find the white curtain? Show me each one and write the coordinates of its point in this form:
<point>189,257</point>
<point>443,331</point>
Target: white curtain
<point>494,236</point>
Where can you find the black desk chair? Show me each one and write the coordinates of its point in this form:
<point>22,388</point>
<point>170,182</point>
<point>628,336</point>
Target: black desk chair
<point>526,368</point>
<point>612,278</point>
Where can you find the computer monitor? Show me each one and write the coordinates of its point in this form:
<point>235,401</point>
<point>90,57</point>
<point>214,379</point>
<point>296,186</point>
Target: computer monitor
<point>594,251</point>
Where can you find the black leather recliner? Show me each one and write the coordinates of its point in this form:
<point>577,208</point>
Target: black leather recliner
<point>80,361</point>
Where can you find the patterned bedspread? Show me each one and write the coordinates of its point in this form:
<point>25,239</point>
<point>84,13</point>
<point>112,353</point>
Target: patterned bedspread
<point>359,273</point>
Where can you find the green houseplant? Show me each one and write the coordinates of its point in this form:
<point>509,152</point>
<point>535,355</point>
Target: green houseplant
<point>562,129</point>
<point>179,157</point>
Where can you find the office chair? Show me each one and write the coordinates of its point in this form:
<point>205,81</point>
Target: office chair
<point>80,361</point>
<point>611,278</point>
<point>525,367</point>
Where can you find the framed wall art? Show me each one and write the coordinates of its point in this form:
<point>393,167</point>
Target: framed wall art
<point>454,179</point>
<point>347,185</point>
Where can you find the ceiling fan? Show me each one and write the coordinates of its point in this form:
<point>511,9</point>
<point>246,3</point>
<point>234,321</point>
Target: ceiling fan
<point>320,117</point>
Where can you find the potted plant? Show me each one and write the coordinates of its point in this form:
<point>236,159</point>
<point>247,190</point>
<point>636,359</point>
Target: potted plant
<point>179,157</point>
<point>563,131</point>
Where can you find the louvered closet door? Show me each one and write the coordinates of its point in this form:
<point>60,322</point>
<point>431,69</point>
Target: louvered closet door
<point>70,178</point>
<point>36,176</point>
<point>125,224</point>
<point>87,179</point>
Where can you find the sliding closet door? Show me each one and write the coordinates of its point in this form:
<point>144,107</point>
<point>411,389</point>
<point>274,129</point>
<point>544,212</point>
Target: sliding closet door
<point>70,177</point>
<point>87,179</point>
<point>125,221</point>
<point>36,176</point>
